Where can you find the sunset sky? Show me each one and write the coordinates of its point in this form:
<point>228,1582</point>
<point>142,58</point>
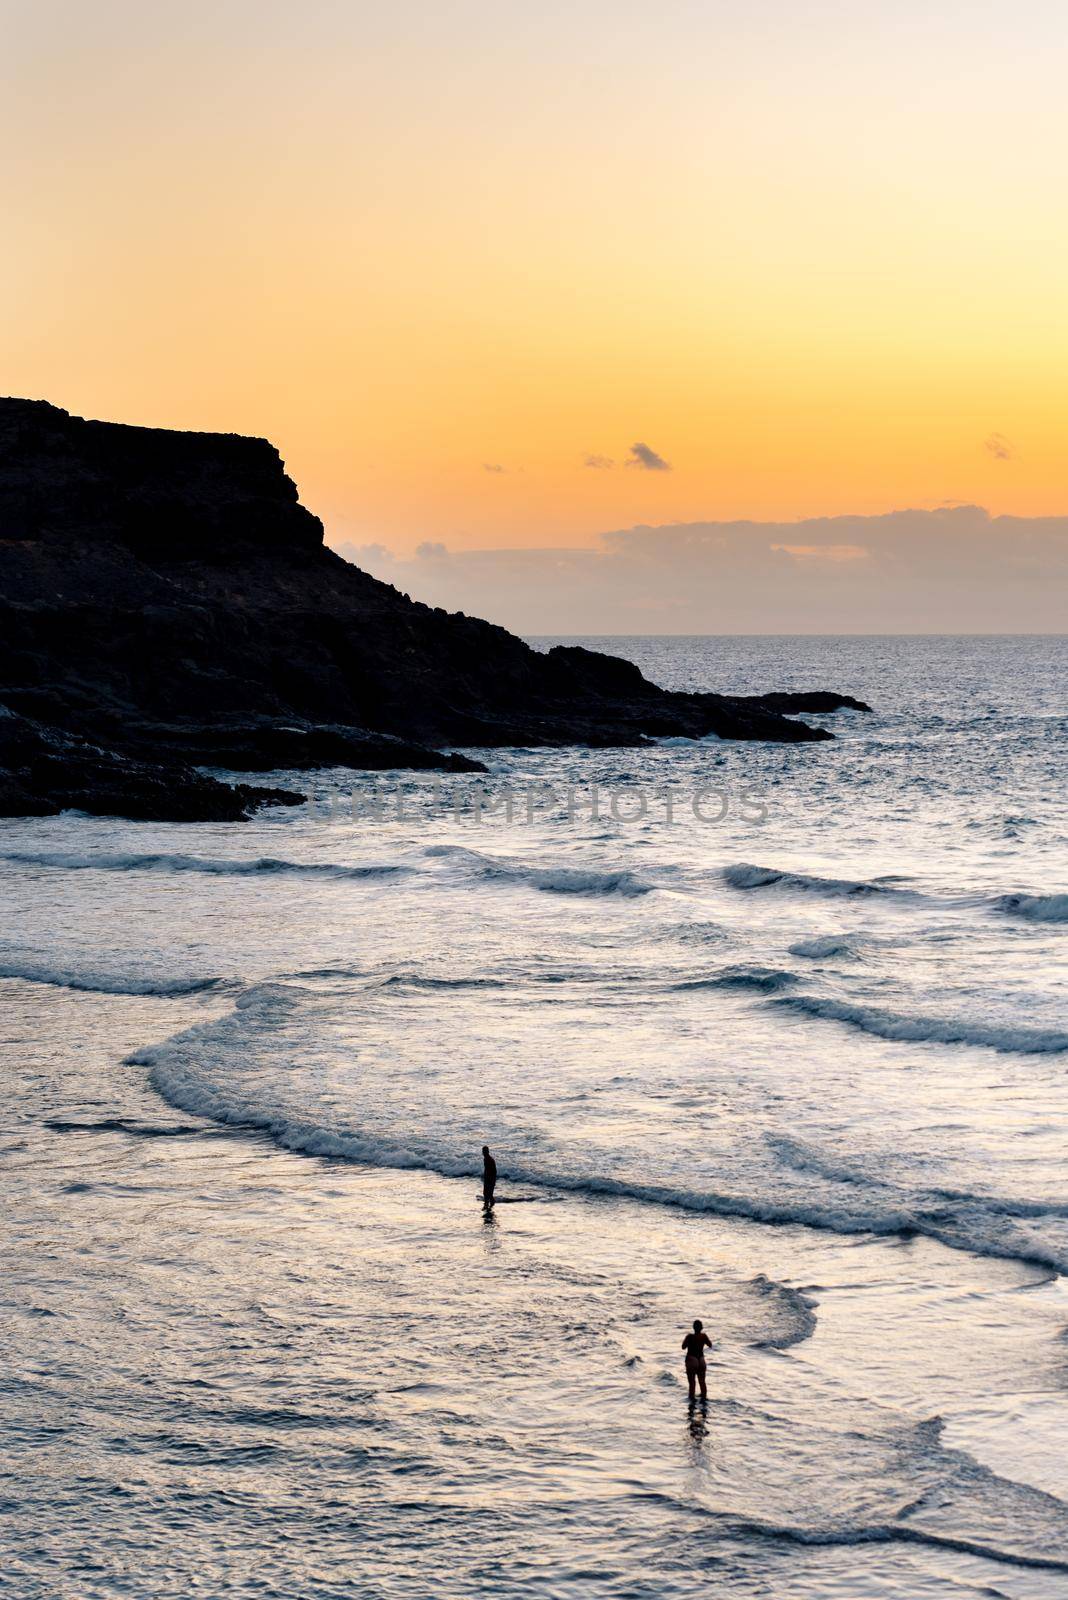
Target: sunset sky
<point>505,276</point>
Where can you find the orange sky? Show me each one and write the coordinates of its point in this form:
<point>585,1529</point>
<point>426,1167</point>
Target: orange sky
<point>813,255</point>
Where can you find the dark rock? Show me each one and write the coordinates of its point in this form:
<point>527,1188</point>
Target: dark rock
<point>44,770</point>
<point>269,745</point>
<point>167,601</point>
<point>17,801</point>
<point>593,672</point>
<point>816,702</point>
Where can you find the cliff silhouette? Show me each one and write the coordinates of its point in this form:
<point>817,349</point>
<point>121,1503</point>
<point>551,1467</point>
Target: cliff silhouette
<point>166,603</point>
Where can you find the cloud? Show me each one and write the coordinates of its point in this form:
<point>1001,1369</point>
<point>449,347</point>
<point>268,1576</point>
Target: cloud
<point>601,463</point>
<point>999,447</point>
<point>825,552</point>
<point>951,570</point>
<point>493,466</point>
<point>642,455</point>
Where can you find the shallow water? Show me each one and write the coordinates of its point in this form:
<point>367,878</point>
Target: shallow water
<point>804,1078</point>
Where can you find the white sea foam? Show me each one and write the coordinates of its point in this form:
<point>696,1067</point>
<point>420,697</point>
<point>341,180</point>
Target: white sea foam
<point>677,741</point>
<point>206,1071</point>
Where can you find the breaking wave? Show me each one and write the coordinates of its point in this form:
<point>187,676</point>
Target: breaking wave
<point>927,1030</point>
<point>550,880</point>
<point>91,982</point>
<point>765,980</point>
<point>1035,907</point>
<point>194,1071</point>
<point>254,866</point>
<point>822,949</point>
<point>744,875</point>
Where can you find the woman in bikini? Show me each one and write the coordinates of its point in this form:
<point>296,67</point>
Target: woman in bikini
<point>695,1344</point>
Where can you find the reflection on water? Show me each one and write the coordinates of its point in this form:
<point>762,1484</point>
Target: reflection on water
<point>698,1426</point>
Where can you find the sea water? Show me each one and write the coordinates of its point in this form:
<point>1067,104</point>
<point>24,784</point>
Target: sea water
<point>773,1036</point>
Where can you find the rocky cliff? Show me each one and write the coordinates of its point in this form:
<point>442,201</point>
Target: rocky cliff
<point>167,603</point>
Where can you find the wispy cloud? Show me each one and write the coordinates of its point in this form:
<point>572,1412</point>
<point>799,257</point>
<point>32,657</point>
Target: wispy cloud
<point>644,456</point>
<point>599,463</point>
<point>493,466</point>
<point>996,445</point>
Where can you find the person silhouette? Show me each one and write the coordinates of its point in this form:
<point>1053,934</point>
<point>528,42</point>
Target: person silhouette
<point>489,1176</point>
<point>695,1344</point>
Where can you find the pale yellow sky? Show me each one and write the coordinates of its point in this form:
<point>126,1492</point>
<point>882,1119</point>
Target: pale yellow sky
<point>814,256</point>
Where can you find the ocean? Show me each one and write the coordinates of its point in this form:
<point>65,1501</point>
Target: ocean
<point>772,1036</point>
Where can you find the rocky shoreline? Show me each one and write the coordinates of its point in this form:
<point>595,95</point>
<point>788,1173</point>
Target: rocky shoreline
<point>166,604</point>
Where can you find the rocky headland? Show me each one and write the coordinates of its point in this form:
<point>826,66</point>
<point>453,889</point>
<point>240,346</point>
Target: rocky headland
<point>167,604</point>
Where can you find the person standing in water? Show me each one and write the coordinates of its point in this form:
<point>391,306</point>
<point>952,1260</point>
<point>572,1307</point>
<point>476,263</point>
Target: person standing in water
<point>695,1344</point>
<point>489,1176</point>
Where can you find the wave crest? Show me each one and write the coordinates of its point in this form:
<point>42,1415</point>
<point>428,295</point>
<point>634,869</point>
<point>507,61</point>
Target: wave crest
<point>765,980</point>
<point>823,948</point>
<point>90,982</point>
<point>161,861</point>
<point>927,1030</point>
<point>550,880</point>
<point>1035,907</point>
<point>745,875</point>
<point>200,1072</point>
